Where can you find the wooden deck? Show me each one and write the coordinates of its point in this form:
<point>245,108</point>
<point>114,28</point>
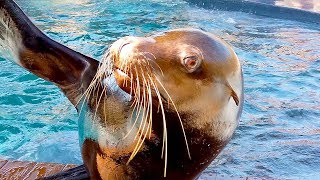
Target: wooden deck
<point>24,170</point>
<point>30,170</point>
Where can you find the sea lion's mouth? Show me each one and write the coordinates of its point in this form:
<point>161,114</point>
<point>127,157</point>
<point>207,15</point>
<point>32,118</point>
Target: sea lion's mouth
<point>122,80</point>
<point>125,82</point>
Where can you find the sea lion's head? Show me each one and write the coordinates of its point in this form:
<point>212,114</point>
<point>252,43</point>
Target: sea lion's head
<point>194,70</point>
<point>185,78</point>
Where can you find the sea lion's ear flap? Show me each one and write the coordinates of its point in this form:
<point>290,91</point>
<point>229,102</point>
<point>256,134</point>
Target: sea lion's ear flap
<point>233,94</point>
<point>39,54</point>
<point>235,97</point>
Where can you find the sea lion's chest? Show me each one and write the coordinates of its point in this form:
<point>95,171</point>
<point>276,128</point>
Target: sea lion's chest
<point>105,149</point>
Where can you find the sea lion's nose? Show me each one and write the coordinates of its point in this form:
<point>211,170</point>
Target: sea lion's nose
<point>123,45</point>
<point>136,42</point>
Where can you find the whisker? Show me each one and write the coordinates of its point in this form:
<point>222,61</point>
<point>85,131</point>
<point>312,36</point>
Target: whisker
<point>152,61</point>
<point>150,104</point>
<point>179,117</point>
<point>143,121</point>
<point>138,95</point>
<point>165,138</point>
<point>149,99</point>
<point>143,113</point>
<point>131,83</point>
<point>99,74</point>
<point>97,105</point>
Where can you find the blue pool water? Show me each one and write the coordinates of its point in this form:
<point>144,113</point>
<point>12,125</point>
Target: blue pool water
<point>279,132</point>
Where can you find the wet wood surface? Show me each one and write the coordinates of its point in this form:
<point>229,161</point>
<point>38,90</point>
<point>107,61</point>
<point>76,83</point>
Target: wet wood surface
<point>25,170</point>
<point>30,170</point>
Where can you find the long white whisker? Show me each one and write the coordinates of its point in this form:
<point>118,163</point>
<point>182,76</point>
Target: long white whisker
<point>138,95</point>
<point>165,138</point>
<point>184,134</point>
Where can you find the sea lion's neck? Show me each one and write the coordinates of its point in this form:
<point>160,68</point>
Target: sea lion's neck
<point>107,123</point>
<point>220,125</point>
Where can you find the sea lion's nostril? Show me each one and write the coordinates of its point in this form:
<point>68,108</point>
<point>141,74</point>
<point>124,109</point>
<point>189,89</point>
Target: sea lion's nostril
<point>122,45</point>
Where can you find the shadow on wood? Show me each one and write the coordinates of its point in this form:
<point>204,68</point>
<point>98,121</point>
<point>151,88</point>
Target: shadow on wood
<point>76,173</point>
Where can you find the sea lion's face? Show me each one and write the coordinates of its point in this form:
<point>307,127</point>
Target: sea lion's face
<point>185,85</point>
<point>194,71</point>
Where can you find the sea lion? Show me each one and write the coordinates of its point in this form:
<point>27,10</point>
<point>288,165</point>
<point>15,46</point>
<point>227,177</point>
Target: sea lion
<point>155,107</point>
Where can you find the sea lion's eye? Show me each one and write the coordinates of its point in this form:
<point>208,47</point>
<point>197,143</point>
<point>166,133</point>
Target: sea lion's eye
<point>191,63</point>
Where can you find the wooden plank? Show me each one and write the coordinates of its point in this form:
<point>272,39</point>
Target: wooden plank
<point>15,169</point>
<point>56,169</point>
<point>31,170</point>
<point>68,166</point>
<point>2,163</point>
<point>42,170</point>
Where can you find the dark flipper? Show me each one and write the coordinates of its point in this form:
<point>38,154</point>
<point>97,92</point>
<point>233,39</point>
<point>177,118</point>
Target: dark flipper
<point>77,173</point>
<point>42,56</point>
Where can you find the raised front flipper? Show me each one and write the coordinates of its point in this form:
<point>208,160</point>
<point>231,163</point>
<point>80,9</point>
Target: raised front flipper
<point>30,48</point>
